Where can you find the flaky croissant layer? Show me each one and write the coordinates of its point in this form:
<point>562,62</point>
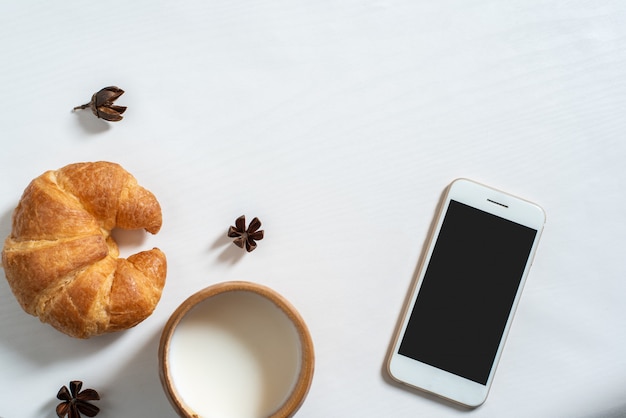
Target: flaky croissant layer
<point>62,263</point>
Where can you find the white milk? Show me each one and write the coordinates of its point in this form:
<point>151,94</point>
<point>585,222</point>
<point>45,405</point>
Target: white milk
<point>235,354</point>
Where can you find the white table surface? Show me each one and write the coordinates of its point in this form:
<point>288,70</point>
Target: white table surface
<point>338,124</point>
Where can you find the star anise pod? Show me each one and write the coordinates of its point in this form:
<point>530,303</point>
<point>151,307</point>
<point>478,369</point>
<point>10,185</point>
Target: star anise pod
<point>76,402</point>
<point>102,106</point>
<point>246,237</point>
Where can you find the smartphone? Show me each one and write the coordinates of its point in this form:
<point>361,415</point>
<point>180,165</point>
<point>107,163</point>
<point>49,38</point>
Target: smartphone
<point>460,309</point>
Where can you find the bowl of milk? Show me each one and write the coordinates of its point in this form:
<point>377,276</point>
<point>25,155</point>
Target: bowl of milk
<point>236,349</point>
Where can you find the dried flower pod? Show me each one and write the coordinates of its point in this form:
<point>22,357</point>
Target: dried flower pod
<point>76,402</point>
<point>102,106</point>
<point>246,237</point>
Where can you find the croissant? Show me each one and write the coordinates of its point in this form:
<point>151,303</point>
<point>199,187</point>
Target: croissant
<point>62,263</point>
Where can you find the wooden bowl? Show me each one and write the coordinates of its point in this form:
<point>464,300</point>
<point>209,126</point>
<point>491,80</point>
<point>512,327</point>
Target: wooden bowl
<point>236,349</point>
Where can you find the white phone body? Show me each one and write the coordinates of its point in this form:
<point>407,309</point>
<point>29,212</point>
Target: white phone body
<point>468,286</point>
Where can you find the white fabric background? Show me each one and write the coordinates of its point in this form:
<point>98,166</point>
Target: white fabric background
<point>338,124</point>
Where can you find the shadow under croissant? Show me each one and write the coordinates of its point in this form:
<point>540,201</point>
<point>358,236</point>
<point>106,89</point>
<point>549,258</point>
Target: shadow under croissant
<point>5,223</point>
<point>26,336</point>
<point>135,389</point>
<point>39,343</point>
<point>129,241</point>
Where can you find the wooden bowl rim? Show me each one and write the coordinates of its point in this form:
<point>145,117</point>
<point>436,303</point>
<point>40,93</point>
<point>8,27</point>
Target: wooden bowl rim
<point>307,365</point>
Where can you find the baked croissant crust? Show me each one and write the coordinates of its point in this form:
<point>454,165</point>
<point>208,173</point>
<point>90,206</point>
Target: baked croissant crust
<point>62,263</point>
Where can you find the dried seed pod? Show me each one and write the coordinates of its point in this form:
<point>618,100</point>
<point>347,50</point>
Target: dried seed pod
<point>246,237</point>
<point>102,105</point>
<point>77,401</point>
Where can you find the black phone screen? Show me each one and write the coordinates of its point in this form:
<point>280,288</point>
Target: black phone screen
<point>467,292</point>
